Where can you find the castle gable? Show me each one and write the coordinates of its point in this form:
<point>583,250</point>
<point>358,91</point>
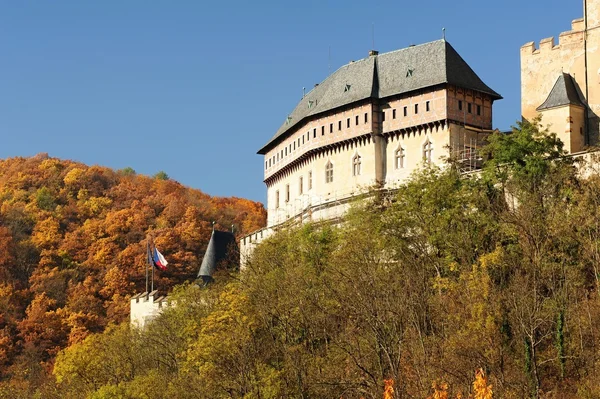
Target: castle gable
<point>563,93</point>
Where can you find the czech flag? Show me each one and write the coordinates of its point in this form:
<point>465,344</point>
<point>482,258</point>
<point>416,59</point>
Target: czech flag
<point>159,260</point>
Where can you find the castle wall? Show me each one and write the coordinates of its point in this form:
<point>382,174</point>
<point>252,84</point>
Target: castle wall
<point>568,123</point>
<point>315,188</point>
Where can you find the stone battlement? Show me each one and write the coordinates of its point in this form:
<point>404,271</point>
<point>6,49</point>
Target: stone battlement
<point>146,306</point>
<point>547,45</point>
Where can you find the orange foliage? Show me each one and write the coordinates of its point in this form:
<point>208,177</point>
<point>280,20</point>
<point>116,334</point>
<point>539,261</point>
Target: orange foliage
<point>480,386</point>
<point>388,392</point>
<point>72,240</point>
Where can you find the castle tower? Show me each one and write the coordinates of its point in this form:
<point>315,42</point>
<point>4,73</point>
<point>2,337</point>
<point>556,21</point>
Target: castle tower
<point>570,69</point>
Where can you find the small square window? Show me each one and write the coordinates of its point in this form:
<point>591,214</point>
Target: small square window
<point>405,111</point>
<point>427,107</point>
<point>394,113</point>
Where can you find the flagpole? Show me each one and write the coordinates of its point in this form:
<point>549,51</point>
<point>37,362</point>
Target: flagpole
<point>147,260</point>
<point>152,289</point>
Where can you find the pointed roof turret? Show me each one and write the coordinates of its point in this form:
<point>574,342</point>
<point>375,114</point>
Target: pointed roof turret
<point>221,242</point>
<point>564,92</point>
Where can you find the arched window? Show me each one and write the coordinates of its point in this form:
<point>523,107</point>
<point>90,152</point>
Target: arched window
<point>329,172</point>
<point>400,154</point>
<point>427,151</point>
<point>356,165</point>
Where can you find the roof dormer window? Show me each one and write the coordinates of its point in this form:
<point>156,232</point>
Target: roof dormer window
<point>347,88</point>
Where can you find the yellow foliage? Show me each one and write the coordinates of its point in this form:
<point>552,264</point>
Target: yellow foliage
<point>480,386</point>
<point>73,176</point>
<point>388,392</point>
<point>440,390</point>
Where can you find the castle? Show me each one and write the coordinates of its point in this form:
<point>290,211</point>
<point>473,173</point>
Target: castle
<point>374,121</point>
<point>371,124</point>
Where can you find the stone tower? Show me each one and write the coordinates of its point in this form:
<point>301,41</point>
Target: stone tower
<point>561,81</point>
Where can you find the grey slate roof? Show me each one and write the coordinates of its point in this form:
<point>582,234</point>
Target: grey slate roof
<point>564,92</point>
<point>388,74</point>
<point>221,242</point>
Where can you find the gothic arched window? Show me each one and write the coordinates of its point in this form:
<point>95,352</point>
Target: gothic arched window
<point>356,165</point>
<point>427,151</point>
<point>400,154</point>
<point>329,172</point>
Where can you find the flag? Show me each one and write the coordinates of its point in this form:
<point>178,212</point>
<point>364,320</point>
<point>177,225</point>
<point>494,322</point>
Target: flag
<point>159,260</point>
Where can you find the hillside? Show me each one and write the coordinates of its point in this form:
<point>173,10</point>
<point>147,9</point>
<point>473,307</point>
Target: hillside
<point>72,249</point>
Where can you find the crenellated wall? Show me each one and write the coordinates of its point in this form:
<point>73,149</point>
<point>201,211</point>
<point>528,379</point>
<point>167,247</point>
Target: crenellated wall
<point>146,306</point>
<point>576,52</point>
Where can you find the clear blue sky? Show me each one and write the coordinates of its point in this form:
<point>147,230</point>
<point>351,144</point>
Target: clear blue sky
<point>194,88</point>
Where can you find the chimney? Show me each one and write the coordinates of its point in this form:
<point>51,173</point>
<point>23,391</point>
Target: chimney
<point>373,52</point>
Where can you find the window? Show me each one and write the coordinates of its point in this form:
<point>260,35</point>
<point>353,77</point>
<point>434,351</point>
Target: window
<point>302,139</point>
<point>427,150</point>
<point>356,165</point>
<point>310,180</point>
<point>339,125</point>
<point>427,108</point>
<point>366,117</point>
<point>460,105</point>
<point>331,128</point>
<point>294,145</point>
<point>400,154</point>
<point>383,116</point>
<point>277,199</point>
<point>300,186</point>
<point>285,150</point>
<point>266,165</point>
<point>322,130</point>
<point>329,172</point>
<point>356,120</point>
<point>315,132</point>
<point>478,110</point>
<point>469,108</point>
<point>405,111</point>
<point>416,109</point>
<point>394,113</point>
<point>287,193</point>
<point>348,123</point>
<point>307,136</point>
